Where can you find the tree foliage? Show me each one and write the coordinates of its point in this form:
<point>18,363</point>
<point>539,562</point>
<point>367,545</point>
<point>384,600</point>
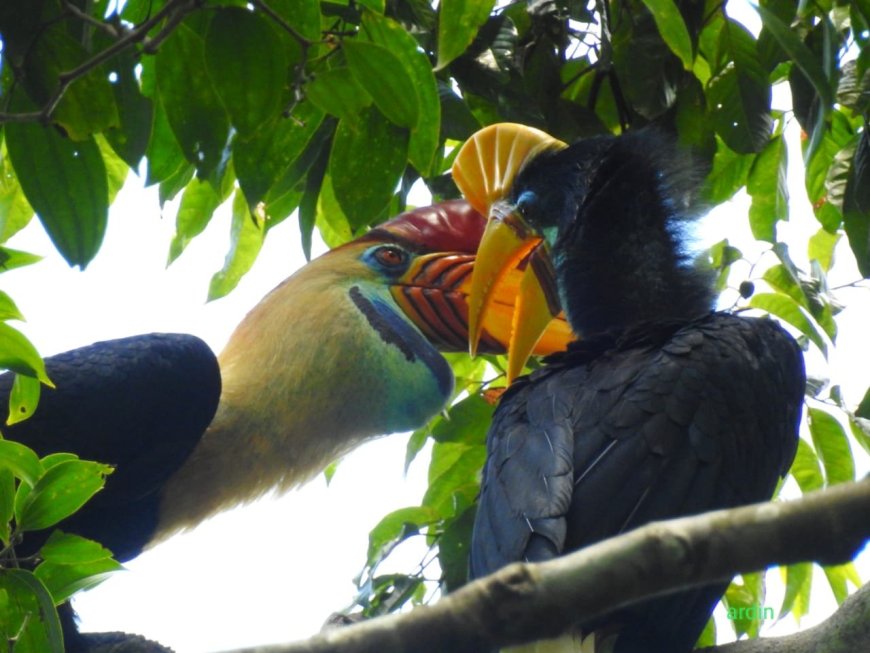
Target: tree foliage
<point>328,112</point>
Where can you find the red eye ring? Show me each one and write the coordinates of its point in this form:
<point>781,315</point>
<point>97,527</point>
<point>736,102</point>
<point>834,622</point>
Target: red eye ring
<point>391,257</point>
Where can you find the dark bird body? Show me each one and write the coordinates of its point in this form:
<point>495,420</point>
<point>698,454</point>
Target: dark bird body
<point>140,404</point>
<point>664,409</point>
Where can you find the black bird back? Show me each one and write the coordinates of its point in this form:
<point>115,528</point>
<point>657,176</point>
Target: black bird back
<point>139,403</point>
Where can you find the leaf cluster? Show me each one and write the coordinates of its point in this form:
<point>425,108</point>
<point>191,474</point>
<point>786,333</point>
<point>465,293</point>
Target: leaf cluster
<point>35,495</point>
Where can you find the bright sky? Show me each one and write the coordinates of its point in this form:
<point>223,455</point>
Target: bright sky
<point>275,570</point>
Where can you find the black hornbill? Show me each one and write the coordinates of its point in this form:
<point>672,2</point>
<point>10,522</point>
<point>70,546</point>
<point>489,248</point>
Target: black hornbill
<point>663,408</point>
<point>343,350</point>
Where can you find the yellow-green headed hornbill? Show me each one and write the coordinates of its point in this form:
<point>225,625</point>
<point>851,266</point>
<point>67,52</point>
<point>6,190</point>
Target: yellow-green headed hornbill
<point>663,407</point>
<point>343,350</point>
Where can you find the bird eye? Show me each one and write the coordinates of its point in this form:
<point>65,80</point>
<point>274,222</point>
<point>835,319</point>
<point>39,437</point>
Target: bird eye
<point>390,256</point>
<point>525,202</point>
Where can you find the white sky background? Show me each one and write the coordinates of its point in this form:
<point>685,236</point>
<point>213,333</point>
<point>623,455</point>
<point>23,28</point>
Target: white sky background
<point>275,570</point>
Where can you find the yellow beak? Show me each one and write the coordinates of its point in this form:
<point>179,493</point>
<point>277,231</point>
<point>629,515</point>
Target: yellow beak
<point>484,170</point>
<point>508,244</point>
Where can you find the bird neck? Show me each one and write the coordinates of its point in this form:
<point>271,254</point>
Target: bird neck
<point>323,362</point>
<point>624,260</point>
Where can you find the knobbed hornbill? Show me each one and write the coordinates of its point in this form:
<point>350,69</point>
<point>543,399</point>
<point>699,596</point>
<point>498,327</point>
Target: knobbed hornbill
<point>663,408</point>
<point>343,350</point>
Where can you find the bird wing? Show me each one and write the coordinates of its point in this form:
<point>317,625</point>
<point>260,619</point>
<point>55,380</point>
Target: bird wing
<point>597,443</point>
<point>140,404</point>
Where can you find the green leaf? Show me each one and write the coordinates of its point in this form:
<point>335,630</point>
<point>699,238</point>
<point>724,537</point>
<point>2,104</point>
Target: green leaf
<point>806,469</point>
<point>247,64</point>
<point>63,581</point>
<point>821,248</point>
<point>740,95</point>
<point>729,174</point>
<point>261,160</point>
<point>303,15</point>
<point>458,22</point>
<point>467,421</point>
<point>860,428</point>
<point>395,528</point>
<point>832,445</point>
<point>426,132</point>
<point>453,550</point>
<point>22,461</point>
<point>70,549</point>
<point>65,183</point>
<point>839,577</point>
<point>13,258</point>
<point>382,75</point>
<point>768,189</point>
<point>192,107</point>
<point>248,230</point>
<point>8,309</point>
<point>366,165</point>
<point>7,506</point>
<point>331,222</point>
<point>198,204</point>
<point>745,597</point>
<point>23,399</point>
<point>788,309</point>
<point>163,154</point>
<point>454,477</point>
<point>29,617</point>
<point>15,211</point>
<point>19,355</point>
<point>88,104</point>
<point>60,492</point>
<point>798,52</point>
<point>798,582</point>
<point>672,29</point>
<point>73,563</point>
<point>337,92</point>
<point>135,111</point>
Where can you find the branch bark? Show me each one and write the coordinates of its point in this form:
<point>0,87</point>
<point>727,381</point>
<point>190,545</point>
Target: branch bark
<point>526,602</point>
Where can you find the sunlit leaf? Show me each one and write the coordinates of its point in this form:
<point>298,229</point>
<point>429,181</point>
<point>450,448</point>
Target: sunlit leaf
<point>768,189</point>
<point>61,491</point>
<point>246,239</point>
<point>788,309</point>
<point>806,468</point>
<point>19,355</point>
<point>29,616</point>
<point>798,582</point>
<point>395,528</point>
<point>672,29</point>
<point>21,461</point>
<point>23,399</point>
<point>832,446</point>
<point>198,203</point>
<point>458,22</point>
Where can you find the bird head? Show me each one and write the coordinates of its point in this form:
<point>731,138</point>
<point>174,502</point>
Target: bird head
<point>596,225</point>
<point>365,322</point>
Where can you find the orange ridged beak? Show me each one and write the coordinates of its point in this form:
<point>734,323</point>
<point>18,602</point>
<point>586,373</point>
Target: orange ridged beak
<point>434,294</point>
<point>484,171</point>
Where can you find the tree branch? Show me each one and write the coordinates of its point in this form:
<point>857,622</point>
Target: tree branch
<point>525,602</point>
<point>175,9</point>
